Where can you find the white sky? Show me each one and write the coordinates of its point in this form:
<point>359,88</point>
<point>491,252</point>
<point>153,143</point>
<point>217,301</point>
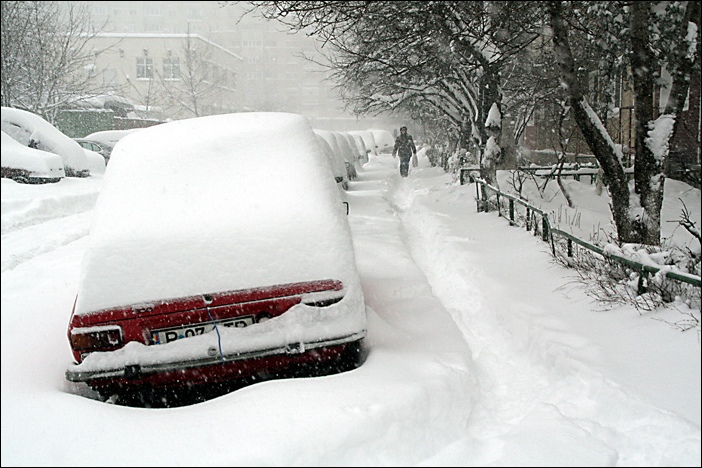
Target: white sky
<point>481,350</point>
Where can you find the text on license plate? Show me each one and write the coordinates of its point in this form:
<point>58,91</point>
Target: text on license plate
<point>166,335</point>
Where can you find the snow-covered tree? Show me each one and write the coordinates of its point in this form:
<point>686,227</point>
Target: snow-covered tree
<point>46,61</point>
<point>196,89</point>
<point>445,57</point>
<point>492,153</point>
<point>456,59</point>
<point>652,34</point>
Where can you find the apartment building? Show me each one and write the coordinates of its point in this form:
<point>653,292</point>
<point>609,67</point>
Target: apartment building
<point>253,64</point>
<point>168,76</point>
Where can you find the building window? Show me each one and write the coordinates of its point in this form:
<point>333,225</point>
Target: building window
<point>195,14</point>
<point>153,11</point>
<point>145,68</point>
<point>171,68</point>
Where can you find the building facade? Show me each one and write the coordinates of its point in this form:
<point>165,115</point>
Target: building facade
<point>168,76</point>
<point>256,64</point>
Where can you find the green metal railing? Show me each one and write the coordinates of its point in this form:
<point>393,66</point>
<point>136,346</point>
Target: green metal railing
<point>532,216</point>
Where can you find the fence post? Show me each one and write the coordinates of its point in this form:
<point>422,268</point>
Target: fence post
<point>553,246</point>
<point>545,228</point>
<point>641,286</point>
<point>511,210</point>
<point>528,219</point>
<point>536,226</point>
<point>477,197</point>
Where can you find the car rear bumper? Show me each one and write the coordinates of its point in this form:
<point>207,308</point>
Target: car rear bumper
<point>216,367</point>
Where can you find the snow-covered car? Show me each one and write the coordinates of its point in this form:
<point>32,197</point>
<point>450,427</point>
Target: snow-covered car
<point>357,150</point>
<point>96,162</point>
<point>33,131</point>
<point>337,162</point>
<point>219,250</point>
<point>333,141</point>
<point>383,139</point>
<point>29,165</point>
<point>368,140</point>
<point>109,137</point>
<point>348,154</point>
<point>97,146</point>
<point>362,148</point>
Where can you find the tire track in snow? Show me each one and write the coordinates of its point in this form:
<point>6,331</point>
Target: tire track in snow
<point>39,221</point>
<point>36,209</point>
<point>22,245</point>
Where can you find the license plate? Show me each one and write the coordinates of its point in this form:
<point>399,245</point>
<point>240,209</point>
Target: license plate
<point>166,335</point>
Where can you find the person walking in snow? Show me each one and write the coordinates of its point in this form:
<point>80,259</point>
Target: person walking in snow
<point>404,146</point>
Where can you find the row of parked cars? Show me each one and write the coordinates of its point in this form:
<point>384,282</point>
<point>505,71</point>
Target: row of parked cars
<point>348,151</point>
<point>34,151</point>
<point>220,253</point>
<point>30,146</point>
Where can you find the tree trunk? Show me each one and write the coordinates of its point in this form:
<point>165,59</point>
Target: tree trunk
<point>649,179</point>
<point>593,131</point>
<point>489,95</point>
<point>683,72</point>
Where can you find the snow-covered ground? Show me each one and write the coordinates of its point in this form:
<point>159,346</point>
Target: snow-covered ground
<point>481,351</point>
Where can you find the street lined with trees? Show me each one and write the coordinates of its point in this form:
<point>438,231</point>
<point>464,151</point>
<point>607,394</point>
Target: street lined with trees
<point>447,63</point>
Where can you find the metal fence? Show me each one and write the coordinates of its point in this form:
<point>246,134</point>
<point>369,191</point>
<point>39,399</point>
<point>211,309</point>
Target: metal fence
<point>519,212</point>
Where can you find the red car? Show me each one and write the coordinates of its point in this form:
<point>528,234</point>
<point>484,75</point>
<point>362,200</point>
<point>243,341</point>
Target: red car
<point>219,251</point>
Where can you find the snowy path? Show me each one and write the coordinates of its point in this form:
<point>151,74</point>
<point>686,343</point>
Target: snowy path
<point>38,224</point>
<point>405,317</point>
<point>24,244</point>
<point>532,382</point>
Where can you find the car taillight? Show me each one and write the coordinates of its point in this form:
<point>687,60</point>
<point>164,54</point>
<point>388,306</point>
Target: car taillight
<point>94,338</point>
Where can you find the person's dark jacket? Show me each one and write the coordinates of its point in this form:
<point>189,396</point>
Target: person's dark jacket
<point>404,146</point>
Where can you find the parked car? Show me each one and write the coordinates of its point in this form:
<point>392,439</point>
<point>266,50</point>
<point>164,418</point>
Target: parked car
<point>383,139</point>
<point>96,162</point>
<point>28,165</point>
<point>110,137</point>
<point>362,148</point>
<point>33,131</point>
<point>337,164</point>
<point>348,154</point>
<point>368,139</point>
<point>357,151</point>
<point>219,250</point>
<point>333,142</point>
<point>97,146</point>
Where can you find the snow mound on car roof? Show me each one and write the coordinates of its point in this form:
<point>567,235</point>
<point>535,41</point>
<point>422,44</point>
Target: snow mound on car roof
<point>211,204</point>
